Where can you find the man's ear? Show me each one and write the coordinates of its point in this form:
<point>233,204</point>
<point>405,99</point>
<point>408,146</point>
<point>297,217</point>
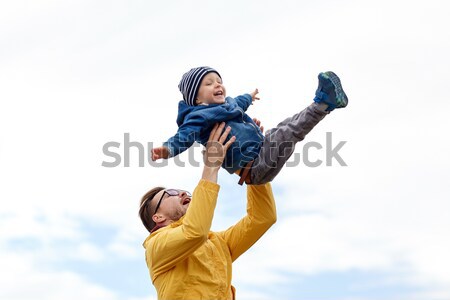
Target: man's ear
<point>158,218</point>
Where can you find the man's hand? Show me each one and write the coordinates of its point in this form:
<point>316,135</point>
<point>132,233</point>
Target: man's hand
<point>216,150</point>
<point>253,94</point>
<point>258,122</point>
<point>160,152</point>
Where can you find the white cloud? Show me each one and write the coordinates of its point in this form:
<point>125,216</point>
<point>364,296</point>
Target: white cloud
<point>24,281</point>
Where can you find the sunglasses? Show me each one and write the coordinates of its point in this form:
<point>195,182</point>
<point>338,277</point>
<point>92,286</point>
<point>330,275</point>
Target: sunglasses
<point>171,192</point>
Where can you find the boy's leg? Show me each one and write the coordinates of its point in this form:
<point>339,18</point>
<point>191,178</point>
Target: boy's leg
<point>279,143</point>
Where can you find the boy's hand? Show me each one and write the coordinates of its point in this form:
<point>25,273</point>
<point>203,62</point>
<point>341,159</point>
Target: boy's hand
<point>253,94</point>
<point>160,152</point>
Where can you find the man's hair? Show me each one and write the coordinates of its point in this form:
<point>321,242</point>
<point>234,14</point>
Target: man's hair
<point>146,209</point>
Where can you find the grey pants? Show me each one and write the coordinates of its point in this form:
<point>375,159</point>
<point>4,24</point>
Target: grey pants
<point>279,143</point>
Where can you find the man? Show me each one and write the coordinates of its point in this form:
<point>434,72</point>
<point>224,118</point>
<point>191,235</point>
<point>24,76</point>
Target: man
<point>185,259</point>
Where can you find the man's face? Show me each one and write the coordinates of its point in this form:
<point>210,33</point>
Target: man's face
<point>211,90</point>
<point>173,204</point>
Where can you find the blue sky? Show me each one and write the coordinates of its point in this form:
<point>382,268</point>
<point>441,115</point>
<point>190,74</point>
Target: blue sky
<point>75,75</point>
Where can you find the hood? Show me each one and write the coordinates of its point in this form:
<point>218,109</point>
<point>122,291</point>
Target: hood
<point>144,244</point>
<point>157,230</point>
<point>183,111</point>
<point>152,233</point>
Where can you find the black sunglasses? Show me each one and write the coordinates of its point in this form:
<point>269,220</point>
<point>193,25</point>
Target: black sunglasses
<point>170,192</point>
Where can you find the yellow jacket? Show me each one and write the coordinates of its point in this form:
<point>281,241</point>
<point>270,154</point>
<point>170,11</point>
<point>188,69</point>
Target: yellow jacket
<point>188,261</point>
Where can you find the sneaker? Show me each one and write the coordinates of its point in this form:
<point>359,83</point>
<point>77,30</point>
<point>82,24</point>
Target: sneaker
<point>330,91</point>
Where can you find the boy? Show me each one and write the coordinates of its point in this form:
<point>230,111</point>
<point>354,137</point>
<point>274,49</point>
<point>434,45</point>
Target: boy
<point>257,158</point>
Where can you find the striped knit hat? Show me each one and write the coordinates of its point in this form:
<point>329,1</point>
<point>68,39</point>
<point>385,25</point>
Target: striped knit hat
<point>190,83</point>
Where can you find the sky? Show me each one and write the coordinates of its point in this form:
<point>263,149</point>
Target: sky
<point>78,75</point>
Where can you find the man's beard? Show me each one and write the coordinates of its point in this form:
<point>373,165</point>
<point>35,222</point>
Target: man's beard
<point>177,214</point>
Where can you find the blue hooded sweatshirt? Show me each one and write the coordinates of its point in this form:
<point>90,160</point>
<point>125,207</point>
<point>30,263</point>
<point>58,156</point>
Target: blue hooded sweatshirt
<point>195,124</point>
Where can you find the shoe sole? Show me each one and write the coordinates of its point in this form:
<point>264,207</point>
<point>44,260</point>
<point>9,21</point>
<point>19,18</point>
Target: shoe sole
<point>341,97</point>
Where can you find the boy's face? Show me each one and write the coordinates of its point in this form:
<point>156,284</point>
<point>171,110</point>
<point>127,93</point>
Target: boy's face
<point>211,90</point>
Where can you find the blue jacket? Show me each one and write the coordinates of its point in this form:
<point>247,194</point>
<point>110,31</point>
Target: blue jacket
<point>195,124</point>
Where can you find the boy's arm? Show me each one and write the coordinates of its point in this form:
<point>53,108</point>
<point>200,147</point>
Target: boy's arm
<point>244,101</point>
<point>186,135</point>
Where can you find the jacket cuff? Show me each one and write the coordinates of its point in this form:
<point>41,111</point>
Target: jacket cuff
<point>170,149</point>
